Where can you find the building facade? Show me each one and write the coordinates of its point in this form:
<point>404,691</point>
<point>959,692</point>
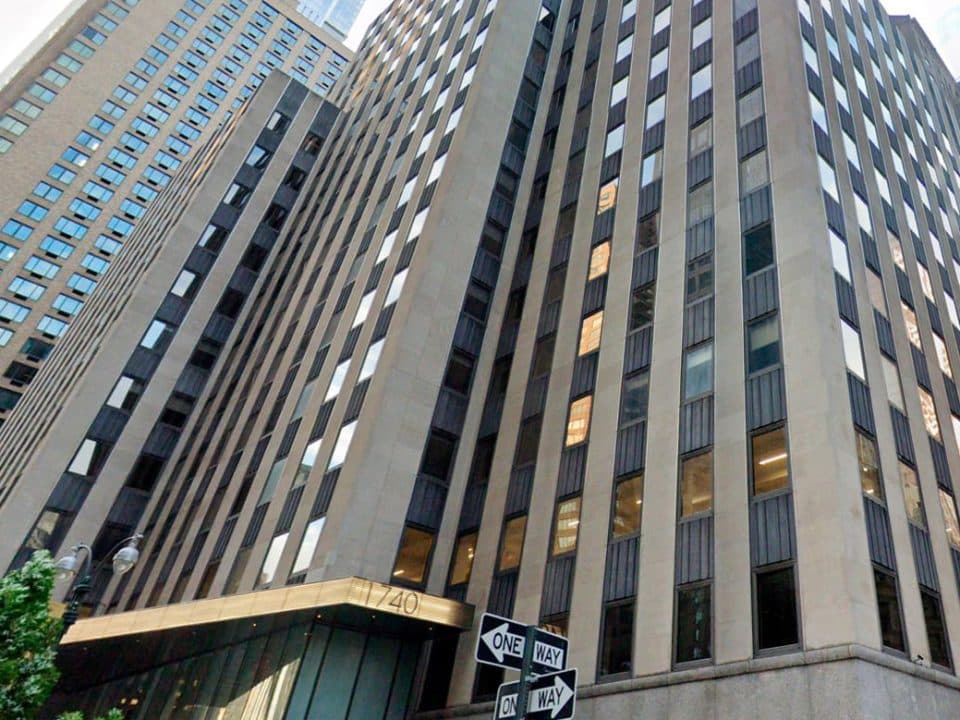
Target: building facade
<point>96,123</point>
<point>631,319</point>
<point>337,15</point>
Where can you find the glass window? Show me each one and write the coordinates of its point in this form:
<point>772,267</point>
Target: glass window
<point>619,91</point>
<point>342,446</point>
<point>566,524</point>
<point>652,168</point>
<point>608,196</point>
<point>763,344</point>
<point>590,331</point>
<point>641,307</point>
<point>693,624</point>
<point>913,330</point>
<point>852,351</point>
<point>635,397</point>
<point>758,249</point>
<point>929,412</point>
<point>336,382</point>
<point>698,371</point>
<point>869,461</point>
<point>701,81</point>
<point>463,559</point>
<point>750,106</point>
<point>185,285</point>
<point>943,358</point>
<point>700,278</point>
<point>658,63</point>
<point>936,631</point>
<point>888,604</point>
<point>616,649</point>
<point>911,495</point>
<point>753,173</point>
<point>511,546</point>
<point>776,609</point>
<point>628,506</point>
<point>89,458</point>
<point>413,555</point>
<point>272,559</point>
<point>599,260</point>
<point>578,424</point>
<point>700,204</point>
<point>696,484</point>
<point>949,509</point>
<point>770,466</point>
<point>892,381</point>
<point>157,335</point>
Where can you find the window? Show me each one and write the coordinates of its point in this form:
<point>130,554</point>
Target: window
<point>511,546</point>
<point>599,260</point>
<point>628,506</point>
<point>89,458</point>
<point>758,249</point>
<point>336,382</point>
<point>635,395</point>
<point>578,424</point>
<point>125,393</point>
<point>770,467</point>
<point>869,462</point>
<point>652,168</point>
<point>929,412</point>
<point>698,371</point>
<point>693,624</point>
<point>40,267</point>
<point>616,645</point>
<point>157,335</point>
<point>619,91</point>
<point>607,199</point>
<point>888,604</point>
<point>658,63</point>
<point>936,630</point>
<point>700,278</point>
<point>911,495</point>
<point>949,510</point>
<point>12,312</point>
<point>566,525</point>
<point>463,559</point>
<point>370,361</point>
<point>700,204</point>
<point>641,307</point>
<point>754,173</point>
<point>342,446</point>
<point>272,560</point>
<point>590,332</point>
<point>701,81</point>
<point>776,609</point>
<point>696,484</point>
<point>763,344</point>
<point>308,545</point>
<point>185,285</point>
<point>913,330</point>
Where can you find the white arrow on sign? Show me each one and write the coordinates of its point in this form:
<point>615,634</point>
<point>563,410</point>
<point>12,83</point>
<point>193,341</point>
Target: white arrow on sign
<point>550,699</point>
<point>502,642</point>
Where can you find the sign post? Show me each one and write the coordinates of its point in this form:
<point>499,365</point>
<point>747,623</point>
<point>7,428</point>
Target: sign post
<point>546,689</point>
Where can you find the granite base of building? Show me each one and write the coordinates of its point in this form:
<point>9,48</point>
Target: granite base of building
<point>842,683</point>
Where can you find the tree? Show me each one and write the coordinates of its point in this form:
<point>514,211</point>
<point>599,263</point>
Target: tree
<point>28,638</point>
<point>112,714</point>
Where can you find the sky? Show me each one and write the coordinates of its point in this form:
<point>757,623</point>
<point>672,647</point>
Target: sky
<point>940,19</point>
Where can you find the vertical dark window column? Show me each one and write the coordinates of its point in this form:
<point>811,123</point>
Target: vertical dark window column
<point>773,554</point>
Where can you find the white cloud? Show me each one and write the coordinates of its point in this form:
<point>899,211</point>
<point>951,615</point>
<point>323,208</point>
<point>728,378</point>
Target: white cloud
<point>368,13</point>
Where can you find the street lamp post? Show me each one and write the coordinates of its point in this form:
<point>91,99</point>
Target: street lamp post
<point>77,563</point>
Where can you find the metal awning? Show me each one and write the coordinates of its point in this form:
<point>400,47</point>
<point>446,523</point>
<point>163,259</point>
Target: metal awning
<point>98,649</point>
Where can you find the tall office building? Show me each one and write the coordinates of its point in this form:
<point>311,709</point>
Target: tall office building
<point>636,320</point>
<point>97,122</point>
<point>336,15</point>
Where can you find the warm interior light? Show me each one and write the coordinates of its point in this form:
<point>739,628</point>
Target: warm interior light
<point>773,458</point>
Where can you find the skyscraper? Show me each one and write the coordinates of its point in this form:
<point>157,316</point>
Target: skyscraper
<point>634,320</point>
<point>97,122</point>
<point>337,15</point>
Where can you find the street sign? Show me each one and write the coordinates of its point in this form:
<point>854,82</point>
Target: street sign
<point>501,642</point>
<point>552,697</point>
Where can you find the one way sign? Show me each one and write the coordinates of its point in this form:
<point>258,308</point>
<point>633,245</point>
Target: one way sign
<point>501,643</point>
<point>552,697</point>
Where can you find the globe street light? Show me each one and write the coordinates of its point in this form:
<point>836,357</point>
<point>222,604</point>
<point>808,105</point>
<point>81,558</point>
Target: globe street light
<point>77,563</point>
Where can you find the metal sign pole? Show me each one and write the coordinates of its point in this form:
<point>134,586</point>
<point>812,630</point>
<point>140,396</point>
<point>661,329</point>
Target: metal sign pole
<point>526,675</point>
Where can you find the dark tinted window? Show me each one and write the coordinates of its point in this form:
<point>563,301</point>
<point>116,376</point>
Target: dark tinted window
<point>616,649</point>
<point>693,624</point>
<point>776,609</point>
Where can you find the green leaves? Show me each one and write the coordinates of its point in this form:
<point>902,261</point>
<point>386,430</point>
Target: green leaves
<point>28,639</point>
